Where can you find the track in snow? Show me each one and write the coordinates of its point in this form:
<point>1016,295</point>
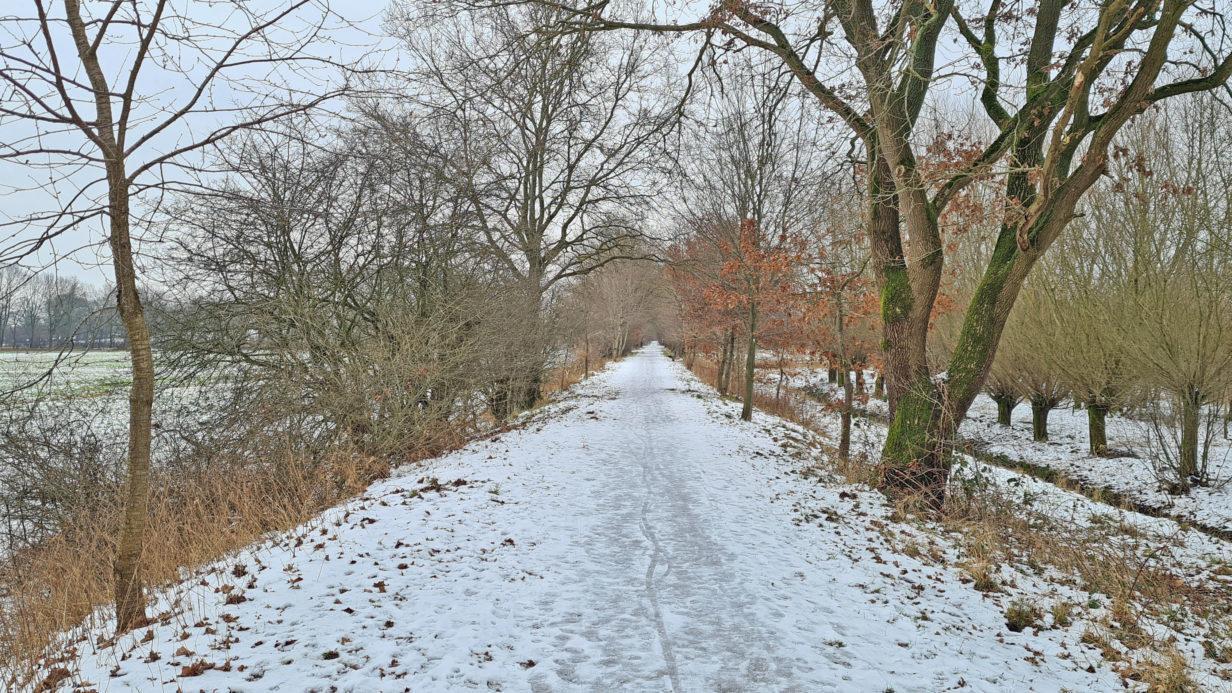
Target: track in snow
<point>634,537</point>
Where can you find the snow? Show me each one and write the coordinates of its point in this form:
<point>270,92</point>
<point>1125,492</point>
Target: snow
<point>64,373</point>
<point>1128,472</point>
<point>1192,555</point>
<point>633,536</point>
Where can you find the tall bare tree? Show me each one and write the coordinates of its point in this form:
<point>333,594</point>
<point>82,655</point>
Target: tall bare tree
<point>109,98</point>
<point>559,134</point>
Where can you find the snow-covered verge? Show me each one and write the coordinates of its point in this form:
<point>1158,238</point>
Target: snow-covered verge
<point>1186,558</point>
<point>1128,472</point>
<point>633,536</point>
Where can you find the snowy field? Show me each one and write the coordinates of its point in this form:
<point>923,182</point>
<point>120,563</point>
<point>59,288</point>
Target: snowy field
<point>79,401</point>
<point>1128,472</point>
<point>58,375</point>
<point>633,536</point>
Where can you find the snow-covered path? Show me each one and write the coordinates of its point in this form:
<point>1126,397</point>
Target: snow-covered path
<point>635,536</point>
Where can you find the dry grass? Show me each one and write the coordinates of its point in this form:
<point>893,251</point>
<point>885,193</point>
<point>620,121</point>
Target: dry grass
<point>569,374</point>
<point>51,588</point>
<point>1166,672</point>
<point>787,406</point>
<point>1139,582</point>
<point>194,519</point>
<point>996,530</point>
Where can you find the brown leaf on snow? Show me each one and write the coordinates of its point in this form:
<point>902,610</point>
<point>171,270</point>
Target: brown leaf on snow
<point>53,680</point>
<point>197,668</point>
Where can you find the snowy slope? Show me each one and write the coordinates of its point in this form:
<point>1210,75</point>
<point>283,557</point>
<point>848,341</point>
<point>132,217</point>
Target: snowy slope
<point>1128,472</point>
<point>633,537</point>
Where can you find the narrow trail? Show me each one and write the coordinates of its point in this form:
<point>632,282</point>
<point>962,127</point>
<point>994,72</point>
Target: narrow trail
<point>635,536</point>
<point>650,478</point>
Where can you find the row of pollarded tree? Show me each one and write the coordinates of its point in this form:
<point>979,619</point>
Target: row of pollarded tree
<point>1133,311</point>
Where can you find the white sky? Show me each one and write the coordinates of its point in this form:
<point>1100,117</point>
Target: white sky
<point>26,189</point>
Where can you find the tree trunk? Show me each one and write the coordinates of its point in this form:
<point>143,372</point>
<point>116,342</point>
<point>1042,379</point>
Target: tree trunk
<point>731,363</point>
<point>916,455</point>
<point>831,374</point>
<point>778,387</point>
<point>1040,408</point>
<point>879,385</point>
<point>1191,416</point>
<point>532,389</point>
<point>129,588</point>
<point>1005,409</point>
<point>860,384</point>
<point>499,403</point>
<point>586,359</point>
<point>1097,430</point>
<point>844,438</point>
<point>724,357</point>
<point>750,365</point>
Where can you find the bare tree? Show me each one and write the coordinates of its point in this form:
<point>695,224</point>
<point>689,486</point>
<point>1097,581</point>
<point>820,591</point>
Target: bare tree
<point>127,89</point>
<point>12,281</point>
<point>1088,69</point>
<point>559,133</point>
<point>751,184</point>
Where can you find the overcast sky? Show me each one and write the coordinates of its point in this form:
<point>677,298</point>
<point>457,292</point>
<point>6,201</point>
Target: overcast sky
<point>27,189</point>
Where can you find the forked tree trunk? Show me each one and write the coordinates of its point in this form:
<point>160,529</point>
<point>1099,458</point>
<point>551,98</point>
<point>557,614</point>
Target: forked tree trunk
<point>1097,429</point>
<point>916,454</point>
